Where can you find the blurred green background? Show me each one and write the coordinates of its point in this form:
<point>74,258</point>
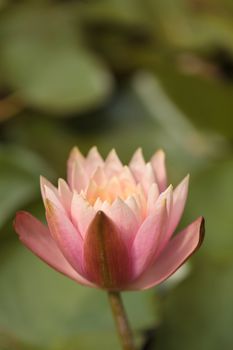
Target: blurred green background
<point>122,74</point>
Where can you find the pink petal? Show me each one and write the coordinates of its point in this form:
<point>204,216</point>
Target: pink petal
<point>158,164</point>
<point>141,199</point>
<point>168,195</point>
<point>148,178</point>
<point>98,205</point>
<point>179,199</point>
<point>93,161</point>
<point>65,194</point>
<point>106,256</point>
<point>50,192</point>
<point>78,177</point>
<point>66,235</point>
<point>147,240</point>
<point>124,218</point>
<point>133,205</point>
<point>44,182</point>
<point>81,213</point>
<point>126,175</point>
<point>113,189</point>
<point>178,250</point>
<point>137,165</point>
<point>92,192</point>
<point>113,164</point>
<point>153,195</point>
<point>99,177</point>
<point>36,237</point>
<point>74,157</point>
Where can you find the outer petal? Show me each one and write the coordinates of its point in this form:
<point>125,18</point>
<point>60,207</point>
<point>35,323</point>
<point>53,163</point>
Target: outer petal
<point>124,218</point>
<point>159,167</point>
<point>147,240</point>
<point>179,200</point>
<point>53,190</point>
<point>37,238</point>
<point>106,258</point>
<point>178,250</point>
<point>66,235</point>
<point>178,203</point>
<point>175,209</point>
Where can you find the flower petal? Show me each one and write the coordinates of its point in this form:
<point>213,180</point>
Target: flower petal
<point>177,251</point>
<point>44,182</point>
<point>66,235</point>
<point>74,157</point>
<point>137,165</point>
<point>147,240</point>
<point>36,237</point>
<point>124,218</point>
<point>106,256</point>
<point>153,195</point>
<point>148,178</point>
<point>126,175</point>
<point>78,177</point>
<point>65,194</point>
<point>159,167</point>
<point>113,164</point>
<point>99,177</point>
<point>177,205</point>
<point>81,213</point>
<point>50,192</point>
<point>179,199</point>
<point>93,161</point>
<point>133,205</point>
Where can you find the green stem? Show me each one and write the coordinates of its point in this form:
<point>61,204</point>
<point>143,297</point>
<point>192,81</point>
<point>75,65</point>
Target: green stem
<point>121,321</point>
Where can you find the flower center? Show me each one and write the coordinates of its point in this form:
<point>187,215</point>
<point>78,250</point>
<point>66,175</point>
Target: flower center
<point>110,191</point>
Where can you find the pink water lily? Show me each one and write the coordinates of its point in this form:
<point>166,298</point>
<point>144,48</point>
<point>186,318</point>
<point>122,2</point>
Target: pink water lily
<point>111,226</point>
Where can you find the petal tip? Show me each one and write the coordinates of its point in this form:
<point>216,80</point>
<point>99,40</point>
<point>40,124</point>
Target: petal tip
<point>17,217</point>
<point>43,181</point>
<point>201,232</point>
<point>187,178</point>
<point>160,152</point>
<point>75,152</point>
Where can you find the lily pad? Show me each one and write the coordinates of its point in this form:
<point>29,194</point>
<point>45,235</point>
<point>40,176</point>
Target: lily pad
<point>19,179</point>
<point>46,64</point>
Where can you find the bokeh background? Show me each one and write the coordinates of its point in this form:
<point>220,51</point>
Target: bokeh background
<point>122,74</point>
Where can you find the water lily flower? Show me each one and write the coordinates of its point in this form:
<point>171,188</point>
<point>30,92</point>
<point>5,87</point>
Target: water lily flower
<point>112,226</point>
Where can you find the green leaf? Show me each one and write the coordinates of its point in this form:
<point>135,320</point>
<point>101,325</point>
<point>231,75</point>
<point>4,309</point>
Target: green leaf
<point>206,101</point>
<point>198,314</point>
<point>211,195</point>
<point>9,342</point>
<point>122,12</point>
<point>46,65</point>
<point>19,179</point>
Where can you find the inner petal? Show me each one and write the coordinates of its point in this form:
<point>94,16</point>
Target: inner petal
<point>110,190</point>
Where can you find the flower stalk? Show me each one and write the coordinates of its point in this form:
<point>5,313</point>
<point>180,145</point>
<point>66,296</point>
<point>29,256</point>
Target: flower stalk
<point>121,321</point>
